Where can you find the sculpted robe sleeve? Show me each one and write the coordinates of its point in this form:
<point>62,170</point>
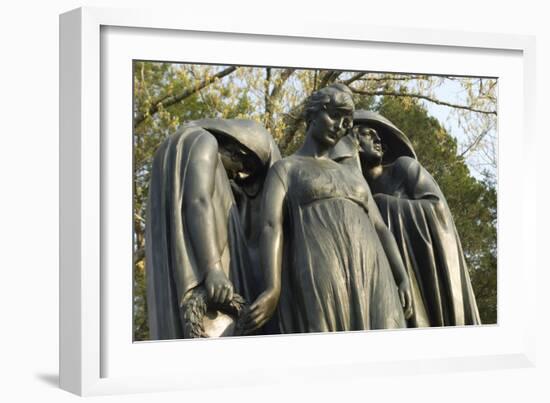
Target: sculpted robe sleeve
<point>425,232</point>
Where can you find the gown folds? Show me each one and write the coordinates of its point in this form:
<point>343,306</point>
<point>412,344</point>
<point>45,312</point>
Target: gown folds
<point>418,216</point>
<point>335,274</point>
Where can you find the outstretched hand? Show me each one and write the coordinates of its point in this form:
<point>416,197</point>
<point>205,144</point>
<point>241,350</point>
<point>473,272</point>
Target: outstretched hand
<point>218,287</point>
<point>260,311</point>
<point>406,298</point>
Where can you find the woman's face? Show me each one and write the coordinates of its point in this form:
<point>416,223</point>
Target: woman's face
<point>239,162</point>
<point>331,123</point>
<point>370,145</point>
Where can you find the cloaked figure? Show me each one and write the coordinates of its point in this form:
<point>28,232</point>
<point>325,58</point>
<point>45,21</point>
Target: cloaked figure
<point>199,269</point>
<point>415,210</point>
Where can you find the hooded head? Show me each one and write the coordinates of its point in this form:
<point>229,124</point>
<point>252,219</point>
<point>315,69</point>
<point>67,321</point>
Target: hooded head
<point>247,142</point>
<point>394,143</point>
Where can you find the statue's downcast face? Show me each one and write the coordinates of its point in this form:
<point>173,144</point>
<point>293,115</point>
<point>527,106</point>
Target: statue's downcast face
<point>330,115</point>
<point>240,163</point>
<point>370,144</point>
<point>331,123</point>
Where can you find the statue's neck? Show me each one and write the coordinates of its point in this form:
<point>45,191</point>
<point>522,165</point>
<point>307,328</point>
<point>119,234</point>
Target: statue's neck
<point>372,172</point>
<point>313,148</point>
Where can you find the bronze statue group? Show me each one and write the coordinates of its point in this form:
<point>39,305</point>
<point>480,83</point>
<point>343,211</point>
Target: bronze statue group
<point>348,233</point>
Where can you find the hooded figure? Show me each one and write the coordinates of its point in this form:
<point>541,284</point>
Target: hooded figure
<point>415,210</point>
<point>248,191</point>
<point>395,142</point>
<point>196,250</point>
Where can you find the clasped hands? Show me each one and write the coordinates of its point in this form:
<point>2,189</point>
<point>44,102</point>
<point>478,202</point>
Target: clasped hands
<point>220,291</point>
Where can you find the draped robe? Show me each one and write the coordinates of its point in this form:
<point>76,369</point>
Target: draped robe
<point>417,214</point>
<point>172,267</point>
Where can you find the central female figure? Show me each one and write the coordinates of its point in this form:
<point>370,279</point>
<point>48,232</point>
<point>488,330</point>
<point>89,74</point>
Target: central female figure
<point>326,267</point>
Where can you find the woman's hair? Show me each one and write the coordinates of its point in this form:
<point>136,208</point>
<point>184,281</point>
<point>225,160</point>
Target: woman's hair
<point>337,93</point>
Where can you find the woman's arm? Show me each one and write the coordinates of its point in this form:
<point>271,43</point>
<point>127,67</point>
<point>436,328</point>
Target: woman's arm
<point>199,215</point>
<point>394,257</point>
<point>271,252</point>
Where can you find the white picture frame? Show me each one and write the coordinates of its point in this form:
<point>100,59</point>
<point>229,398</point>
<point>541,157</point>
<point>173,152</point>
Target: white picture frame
<point>96,354</point>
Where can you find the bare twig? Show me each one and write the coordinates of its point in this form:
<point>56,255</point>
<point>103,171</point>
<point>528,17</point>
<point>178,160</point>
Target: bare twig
<point>420,96</point>
<point>166,102</point>
<point>354,78</point>
<point>274,95</point>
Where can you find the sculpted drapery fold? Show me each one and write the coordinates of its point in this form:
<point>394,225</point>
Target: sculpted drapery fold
<point>416,211</point>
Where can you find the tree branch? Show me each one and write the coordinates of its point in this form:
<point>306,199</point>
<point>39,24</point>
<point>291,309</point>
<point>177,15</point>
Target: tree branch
<point>271,97</point>
<point>419,96</point>
<point>294,118</point>
<point>395,78</point>
<point>139,218</point>
<point>285,75</point>
<point>329,78</point>
<point>267,102</point>
<point>166,102</point>
<point>353,78</point>
<point>139,255</point>
<point>474,143</point>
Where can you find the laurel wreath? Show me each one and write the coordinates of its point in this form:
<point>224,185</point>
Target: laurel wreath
<point>196,305</point>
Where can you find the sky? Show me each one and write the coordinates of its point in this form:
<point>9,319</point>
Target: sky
<point>452,92</point>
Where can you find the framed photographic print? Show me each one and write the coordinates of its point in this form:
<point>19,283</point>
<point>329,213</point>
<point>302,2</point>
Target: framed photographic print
<point>373,219</point>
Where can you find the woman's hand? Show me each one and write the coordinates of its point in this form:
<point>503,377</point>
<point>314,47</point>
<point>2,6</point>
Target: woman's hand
<point>260,311</point>
<point>218,287</point>
<point>405,297</point>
